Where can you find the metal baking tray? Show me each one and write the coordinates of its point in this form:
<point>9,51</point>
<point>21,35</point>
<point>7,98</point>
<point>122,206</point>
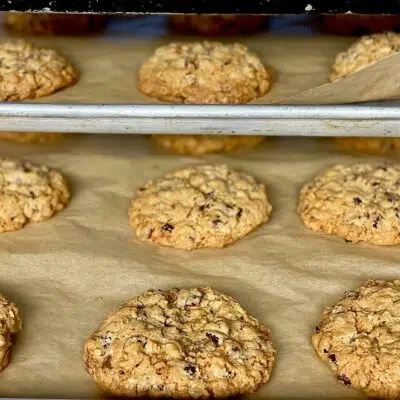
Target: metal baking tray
<point>368,119</point>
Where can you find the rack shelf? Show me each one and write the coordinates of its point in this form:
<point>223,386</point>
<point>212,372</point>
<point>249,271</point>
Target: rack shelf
<point>206,6</point>
<point>374,119</point>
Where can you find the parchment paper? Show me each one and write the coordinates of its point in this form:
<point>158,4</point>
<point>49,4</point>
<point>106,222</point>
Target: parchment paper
<point>67,273</point>
<point>109,64</point>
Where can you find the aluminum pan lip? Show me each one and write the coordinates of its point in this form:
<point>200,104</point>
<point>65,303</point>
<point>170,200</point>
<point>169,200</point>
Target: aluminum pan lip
<point>371,111</point>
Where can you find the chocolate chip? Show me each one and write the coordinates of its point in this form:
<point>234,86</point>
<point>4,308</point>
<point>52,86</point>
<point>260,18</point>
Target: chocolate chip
<point>106,341</point>
<point>141,189</point>
<point>392,196</point>
<point>150,233</point>
<point>107,363</point>
<point>216,222</point>
<point>343,378</point>
<point>375,221</point>
<point>382,167</point>
<point>332,357</point>
<point>317,329</point>
<point>357,200</point>
<point>122,372</point>
<point>326,351</point>
<point>397,212</point>
<point>377,183</point>
<point>167,227</point>
<point>214,338</point>
<point>239,213</point>
<point>190,370</point>
<point>201,208</point>
<point>348,241</point>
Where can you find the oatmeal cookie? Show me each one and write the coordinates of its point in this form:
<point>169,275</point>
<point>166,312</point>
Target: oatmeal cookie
<point>29,193</point>
<point>54,23</point>
<point>218,25</point>
<point>10,324</point>
<point>359,202</point>
<point>30,137</point>
<point>204,73</point>
<point>204,144</point>
<point>29,72</point>
<point>366,51</point>
<point>180,343</point>
<point>201,206</point>
<point>359,338</point>
<point>369,145</point>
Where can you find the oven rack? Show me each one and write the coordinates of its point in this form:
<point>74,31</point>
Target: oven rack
<point>367,119</point>
<point>206,6</point>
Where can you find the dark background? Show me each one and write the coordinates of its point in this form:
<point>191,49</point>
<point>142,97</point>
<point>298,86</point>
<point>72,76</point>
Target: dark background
<point>207,6</point>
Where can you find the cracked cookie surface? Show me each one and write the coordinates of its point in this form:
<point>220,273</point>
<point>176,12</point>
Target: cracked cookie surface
<point>204,144</point>
<point>180,343</point>
<point>29,193</point>
<point>28,71</point>
<point>366,51</point>
<point>359,202</point>
<point>360,339</point>
<point>200,206</point>
<point>10,324</point>
<point>204,73</point>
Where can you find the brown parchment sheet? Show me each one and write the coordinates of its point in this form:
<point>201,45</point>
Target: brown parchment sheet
<point>108,66</point>
<point>67,273</point>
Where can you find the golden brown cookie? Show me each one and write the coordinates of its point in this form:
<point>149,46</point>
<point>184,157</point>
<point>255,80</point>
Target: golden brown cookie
<point>204,144</point>
<point>201,206</point>
<point>30,137</point>
<point>180,343</point>
<point>29,72</point>
<point>359,338</point>
<point>29,193</point>
<point>359,202</point>
<point>365,52</point>
<point>54,23</point>
<point>10,324</point>
<point>369,145</point>
<point>217,24</point>
<point>204,73</point>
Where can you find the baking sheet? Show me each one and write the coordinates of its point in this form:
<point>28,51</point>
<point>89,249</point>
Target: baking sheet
<point>67,273</point>
<point>109,63</point>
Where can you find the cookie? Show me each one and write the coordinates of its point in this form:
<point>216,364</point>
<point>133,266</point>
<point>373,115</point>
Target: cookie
<point>204,144</point>
<point>10,324</point>
<point>204,73</point>
<point>180,343</point>
<point>359,338</point>
<point>366,51</point>
<point>218,25</point>
<point>369,145</point>
<point>200,206</point>
<point>359,202</point>
<point>54,23</point>
<point>29,72</point>
<point>358,24</point>
<point>29,193</point>
<point>30,137</point>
